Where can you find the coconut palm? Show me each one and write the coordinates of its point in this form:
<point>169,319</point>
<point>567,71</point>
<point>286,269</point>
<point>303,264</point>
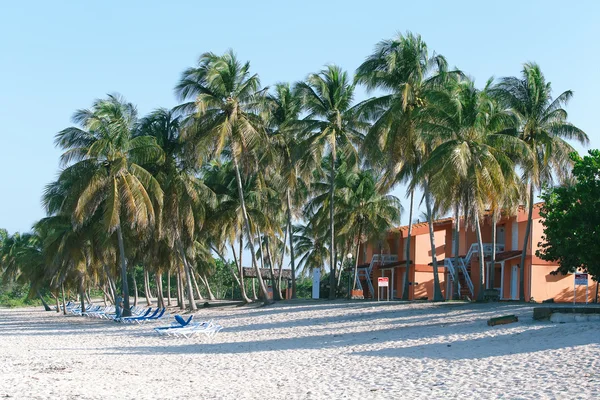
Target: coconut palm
<point>471,163</point>
<point>403,68</point>
<point>543,125</point>
<point>293,162</point>
<point>22,261</point>
<point>104,173</point>
<point>335,127</point>
<point>226,101</point>
<point>185,196</point>
<point>366,213</point>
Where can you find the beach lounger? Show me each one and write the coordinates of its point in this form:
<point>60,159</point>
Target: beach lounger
<point>136,318</point>
<point>207,328</point>
<point>179,323</point>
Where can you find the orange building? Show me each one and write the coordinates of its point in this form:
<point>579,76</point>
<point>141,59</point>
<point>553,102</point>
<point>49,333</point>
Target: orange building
<point>386,258</point>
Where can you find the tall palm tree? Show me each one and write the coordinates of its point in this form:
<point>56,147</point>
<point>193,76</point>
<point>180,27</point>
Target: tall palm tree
<point>293,162</point>
<point>335,125</point>
<point>185,195</point>
<point>366,213</point>
<point>403,68</point>
<point>470,159</point>
<point>543,125</point>
<point>226,102</point>
<point>104,173</point>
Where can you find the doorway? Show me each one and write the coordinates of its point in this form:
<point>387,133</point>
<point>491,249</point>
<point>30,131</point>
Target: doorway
<point>514,277</point>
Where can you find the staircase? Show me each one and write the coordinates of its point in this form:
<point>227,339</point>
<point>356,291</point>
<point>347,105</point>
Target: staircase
<point>366,274</point>
<point>462,271</point>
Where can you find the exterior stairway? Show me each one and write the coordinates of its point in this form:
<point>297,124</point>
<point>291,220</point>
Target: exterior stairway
<point>462,271</point>
<point>366,273</point>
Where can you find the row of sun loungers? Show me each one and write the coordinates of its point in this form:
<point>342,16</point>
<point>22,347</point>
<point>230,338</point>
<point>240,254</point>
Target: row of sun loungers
<point>180,328</point>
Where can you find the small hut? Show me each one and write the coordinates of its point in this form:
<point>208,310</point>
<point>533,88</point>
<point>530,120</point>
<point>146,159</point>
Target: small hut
<point>265,273</point>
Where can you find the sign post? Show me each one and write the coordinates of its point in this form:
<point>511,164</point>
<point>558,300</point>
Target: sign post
<point>316,282</point>
<point>580,279</point>
<point>383,282</point>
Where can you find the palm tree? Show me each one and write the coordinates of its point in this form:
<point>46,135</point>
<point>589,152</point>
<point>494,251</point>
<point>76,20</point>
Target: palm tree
<point>543,125</point>
<point>22,261</point>
<point>227,101</point>
<point>104,173</point>
<point>366,213</point>
<point>293,162</point>
<point>335,125</point>
<point>185,195</point>
<point>469,159</point>
<point>403,68</point>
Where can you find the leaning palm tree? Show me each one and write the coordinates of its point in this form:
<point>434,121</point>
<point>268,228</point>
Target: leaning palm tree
<point>403,68</point>
<point>470,159</point>
<point>226,102</point>
<point>104,175</point>
<point>335,127</point>
<point>543,125</point>
<point>22,261</point>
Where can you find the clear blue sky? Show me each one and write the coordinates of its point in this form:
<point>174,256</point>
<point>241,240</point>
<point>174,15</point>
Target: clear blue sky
<point>58,56</point>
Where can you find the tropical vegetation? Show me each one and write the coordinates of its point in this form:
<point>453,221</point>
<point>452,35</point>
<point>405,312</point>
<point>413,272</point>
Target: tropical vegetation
<point>297,174</point>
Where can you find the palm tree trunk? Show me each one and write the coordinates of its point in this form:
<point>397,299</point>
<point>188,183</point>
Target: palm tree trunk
<point>204,281</point>
<point>481,258</point>
<point>147,287</point>
<point>112,288</point>
<point>437,292</point>
<point>159,295</point>
<point>356,260</point>
<point>292,255</point>
<point>340,270</point>
<point>168,288</point>
<point>490,282</point>
<point>126,309</point>
<point>135,289</point>
<point>57,301</point>
<point>188,276</point>
<point>82,294</point>
<point>196,286</point>
<point>240,271</point>
<point>238,179</point>
<point>525,245</point>
<point>406,286</point>
<point>254,296</point>
<point>331,225</point>
<point>180,302</point>
<point>62,288</point>
<point>455,290</point>
<point>277,288</point>
<point>235,275</point>
<point>280,267</point>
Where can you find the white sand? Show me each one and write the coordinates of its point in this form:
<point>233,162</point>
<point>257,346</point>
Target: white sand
<point>309,350</point>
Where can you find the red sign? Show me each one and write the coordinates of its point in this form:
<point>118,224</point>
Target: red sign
<point>383,282</point>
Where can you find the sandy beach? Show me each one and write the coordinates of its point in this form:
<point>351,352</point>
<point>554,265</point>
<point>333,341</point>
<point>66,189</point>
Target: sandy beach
<point>308,350</point>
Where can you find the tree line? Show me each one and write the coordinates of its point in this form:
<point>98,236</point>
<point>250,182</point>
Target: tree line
<point>294,171</point>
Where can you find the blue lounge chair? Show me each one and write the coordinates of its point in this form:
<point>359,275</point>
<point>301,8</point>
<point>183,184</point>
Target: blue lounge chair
<point>180,322</point>
<point>138,317</point>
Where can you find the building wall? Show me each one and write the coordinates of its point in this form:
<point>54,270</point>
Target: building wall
<point>539,283</point>
<point>558,287</point>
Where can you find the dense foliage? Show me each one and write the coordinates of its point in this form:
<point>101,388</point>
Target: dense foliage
<point>571,219</point>
<point>172,204</point>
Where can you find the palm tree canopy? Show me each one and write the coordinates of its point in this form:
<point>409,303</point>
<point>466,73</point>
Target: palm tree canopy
<point>542,122</point>
<point>104,170</point>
